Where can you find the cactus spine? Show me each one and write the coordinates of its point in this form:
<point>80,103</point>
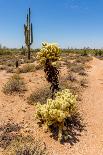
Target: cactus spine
<point>28,32</point>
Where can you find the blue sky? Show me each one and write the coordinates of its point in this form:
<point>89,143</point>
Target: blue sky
<point>70,23</point>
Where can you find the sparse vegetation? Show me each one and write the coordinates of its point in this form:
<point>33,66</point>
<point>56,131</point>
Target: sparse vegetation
<point>51,98</point>
<point>25,146</point>
<point>14,84</point>
<point>9,133</point>
<point>27,68</point>
<point>39,96</point>
<point>83,82</point>
<point>14,143</point>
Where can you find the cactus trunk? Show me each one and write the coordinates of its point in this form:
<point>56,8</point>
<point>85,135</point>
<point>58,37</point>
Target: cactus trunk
<point>28,32</point>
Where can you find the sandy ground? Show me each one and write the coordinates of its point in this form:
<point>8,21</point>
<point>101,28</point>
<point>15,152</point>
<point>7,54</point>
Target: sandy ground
<point>16,109</point>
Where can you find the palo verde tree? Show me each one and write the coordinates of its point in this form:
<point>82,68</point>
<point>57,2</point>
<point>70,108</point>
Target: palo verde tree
<point>48,57</point>
<point>28,32</point>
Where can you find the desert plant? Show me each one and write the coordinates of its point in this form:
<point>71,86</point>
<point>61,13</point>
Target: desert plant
<point>55,111</point>
<point>83,73</point>
<point>48,57</point>
<point>16,63</point>
<point>84,52</point>
<point>28,32</point>
<point>83,82</point>
<point>77,67</point>
<point>71,77</point>
<point>14,84</point>
<point>27,68</point>
<point>25,146</point>
<point>7,134</point>
<point>23,52</point>
<point>40,95</point>
<point>100,52</point>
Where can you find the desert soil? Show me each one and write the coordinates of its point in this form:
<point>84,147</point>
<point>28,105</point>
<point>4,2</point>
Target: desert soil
<point>16,109</point>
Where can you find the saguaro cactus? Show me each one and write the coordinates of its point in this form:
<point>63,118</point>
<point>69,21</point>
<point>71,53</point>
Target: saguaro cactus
<point>28,32</point>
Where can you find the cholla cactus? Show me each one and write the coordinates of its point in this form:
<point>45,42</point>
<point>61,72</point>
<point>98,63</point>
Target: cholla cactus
<point>48,57</point>
<point>54,112</point>
<point>49,52</point>
<point>28,32</point>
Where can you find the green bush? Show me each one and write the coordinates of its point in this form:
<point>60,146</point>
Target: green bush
<point>55,111</point>
<point>84,52</point>
<point>15,84</point>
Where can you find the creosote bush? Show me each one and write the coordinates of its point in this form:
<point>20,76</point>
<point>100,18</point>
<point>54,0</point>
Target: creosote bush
<point>39,96</point>
<point>15,84</point>
<point>27,68</point>
<point>48,57</point>
<point>25,146</point>
<point>55,111</point>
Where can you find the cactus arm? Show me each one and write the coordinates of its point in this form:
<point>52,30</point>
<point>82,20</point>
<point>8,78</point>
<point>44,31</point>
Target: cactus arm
<point>31,40</point>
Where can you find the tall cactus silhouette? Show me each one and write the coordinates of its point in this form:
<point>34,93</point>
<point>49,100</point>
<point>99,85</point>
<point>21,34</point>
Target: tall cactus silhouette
<point>28,32</point>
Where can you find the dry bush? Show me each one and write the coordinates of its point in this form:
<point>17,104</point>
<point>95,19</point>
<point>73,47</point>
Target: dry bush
<point>83,82</point>
<point>14,143</point>
<point>71,77</point>
<point>27,68</point>
<point>10,69</point>
<point>14,84</point>
<point>25,146</point>
<point>83,73</point>
<point>2,67</point>
<point>8,133</point>
<point>77,67</point>
<point>83,59</point>
<point>39,96</point>
<point>38,67</point>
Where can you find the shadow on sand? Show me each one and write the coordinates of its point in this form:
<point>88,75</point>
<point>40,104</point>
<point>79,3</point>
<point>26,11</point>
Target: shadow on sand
<point>72,130</point>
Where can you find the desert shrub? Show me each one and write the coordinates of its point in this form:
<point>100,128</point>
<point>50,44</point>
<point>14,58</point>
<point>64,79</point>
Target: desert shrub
<point>48,57</point>
<point>2,67</point>
<point>77,67</point>
<point>38,67</point>
<point>8,133</point>
<point>83,82</point>
<point>39,96</point>
<point>83,59</point>
<point>82,73</point>
<point>29,61</point>
<point>96,52</point>
<point>25,146</point>
<point>99,53</point>
<point>71,77</point>
<point>27,68</point>
<point>84,52</point>
<point>10,69</point>
<point>55,111</point>
<point>15,84</point>
<point>5,52</point>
